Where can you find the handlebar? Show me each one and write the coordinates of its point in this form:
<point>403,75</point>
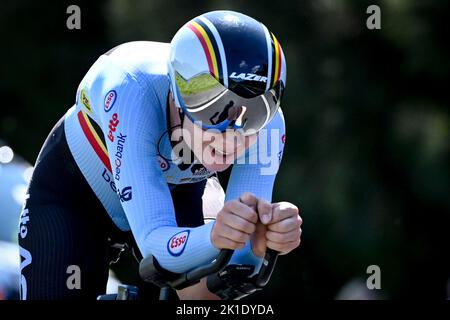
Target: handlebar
<point>234,282</point>
<point>226,281</point>
<point>150,271</point>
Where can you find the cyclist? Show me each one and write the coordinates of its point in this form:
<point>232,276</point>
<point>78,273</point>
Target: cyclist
<point>151,123</point>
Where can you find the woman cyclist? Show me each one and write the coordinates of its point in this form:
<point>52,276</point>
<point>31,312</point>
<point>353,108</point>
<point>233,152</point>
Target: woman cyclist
<point>152,123</point>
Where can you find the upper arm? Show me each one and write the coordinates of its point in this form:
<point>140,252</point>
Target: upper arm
<point>130,123</point>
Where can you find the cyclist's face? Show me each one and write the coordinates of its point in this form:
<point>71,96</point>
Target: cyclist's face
<point>216,150</point>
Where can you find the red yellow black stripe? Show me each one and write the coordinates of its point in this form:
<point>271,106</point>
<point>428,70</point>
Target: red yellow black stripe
<point>94,139</point>
<point>276,60</point>
<point>210,47</point>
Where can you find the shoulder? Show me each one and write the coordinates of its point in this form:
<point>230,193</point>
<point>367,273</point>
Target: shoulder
<point>141,57</point>
<point>129,71</point>
<point>145,62</point>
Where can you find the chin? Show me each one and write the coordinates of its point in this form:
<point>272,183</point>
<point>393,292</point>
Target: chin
<point>217,167</point>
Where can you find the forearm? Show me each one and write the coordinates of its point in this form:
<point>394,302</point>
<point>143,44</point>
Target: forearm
<point>179,249</point>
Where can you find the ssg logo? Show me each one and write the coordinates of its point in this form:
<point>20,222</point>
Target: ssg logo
<point>177,243</point>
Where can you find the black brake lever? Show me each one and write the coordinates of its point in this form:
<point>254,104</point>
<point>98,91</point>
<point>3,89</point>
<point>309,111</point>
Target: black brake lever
<point>269,261</point>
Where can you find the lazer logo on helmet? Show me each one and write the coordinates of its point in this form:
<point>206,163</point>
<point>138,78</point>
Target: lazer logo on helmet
<point>177,243</point>
<point>248,76</point>
<point>110,98</point>
<point>113,123</point>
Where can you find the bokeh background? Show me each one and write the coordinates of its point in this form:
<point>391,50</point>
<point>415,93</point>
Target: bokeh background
<point>367,112</point>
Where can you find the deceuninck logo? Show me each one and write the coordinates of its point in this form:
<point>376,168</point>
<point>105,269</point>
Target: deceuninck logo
<point>177,243</point>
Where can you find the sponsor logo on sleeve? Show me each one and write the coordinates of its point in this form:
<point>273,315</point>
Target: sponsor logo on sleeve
<point>125,194</point>
<point>199,170</point>
<point>163,163</point>
<point>110,99</point>
<point>177,243</point>
<point>25,255</point>
<point>107,178</point>
<point>121,138</point>
<point>85,100</point>
<point>113,123</point>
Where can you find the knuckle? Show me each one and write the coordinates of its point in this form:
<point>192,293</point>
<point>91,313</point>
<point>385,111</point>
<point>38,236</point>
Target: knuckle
<point>245,196</point>
<point>230,204</point>
<point>273,236</point>
<point>250,227</point>
<point>241,237</point>
<point>242,225</point>
<point>215,239</point>
<point>253,216</point>
<point>220,219</point>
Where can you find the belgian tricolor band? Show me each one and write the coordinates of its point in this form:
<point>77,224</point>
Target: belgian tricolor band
<point>210,46</point>
<point>276,60</point>
<point>213,47</point>
<point>95,137</point>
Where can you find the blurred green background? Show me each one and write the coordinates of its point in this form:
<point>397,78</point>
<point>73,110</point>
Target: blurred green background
<point>367,112</point>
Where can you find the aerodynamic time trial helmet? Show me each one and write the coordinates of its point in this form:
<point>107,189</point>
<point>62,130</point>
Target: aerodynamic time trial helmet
<point>227,70</point>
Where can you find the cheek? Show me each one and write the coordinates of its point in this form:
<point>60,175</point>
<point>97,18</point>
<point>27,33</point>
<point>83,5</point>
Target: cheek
<point>239,152</point>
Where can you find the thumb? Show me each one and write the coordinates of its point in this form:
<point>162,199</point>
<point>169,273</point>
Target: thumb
<point>264,211</point>
<point>249,199</point>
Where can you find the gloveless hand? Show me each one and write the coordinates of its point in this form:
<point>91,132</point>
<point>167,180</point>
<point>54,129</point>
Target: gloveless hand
<point>278,226</point>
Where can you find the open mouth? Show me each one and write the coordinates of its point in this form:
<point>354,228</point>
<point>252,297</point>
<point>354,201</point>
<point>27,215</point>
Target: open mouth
<point>221,153</point>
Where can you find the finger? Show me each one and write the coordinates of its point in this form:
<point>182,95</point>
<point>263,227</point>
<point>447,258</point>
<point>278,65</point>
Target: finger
<point>264,211</point>
<point>242,210</point>
<point>285,225</point>
<point>249,199</point>
<point>225,243</point>
<point>233,234</point>
<point>283,210</point>
<point>237,223</point>
<point>283,237</point>
<point>283,248</point>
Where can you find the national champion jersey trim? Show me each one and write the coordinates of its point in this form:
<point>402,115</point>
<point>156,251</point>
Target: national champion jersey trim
<point>94,139</point>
